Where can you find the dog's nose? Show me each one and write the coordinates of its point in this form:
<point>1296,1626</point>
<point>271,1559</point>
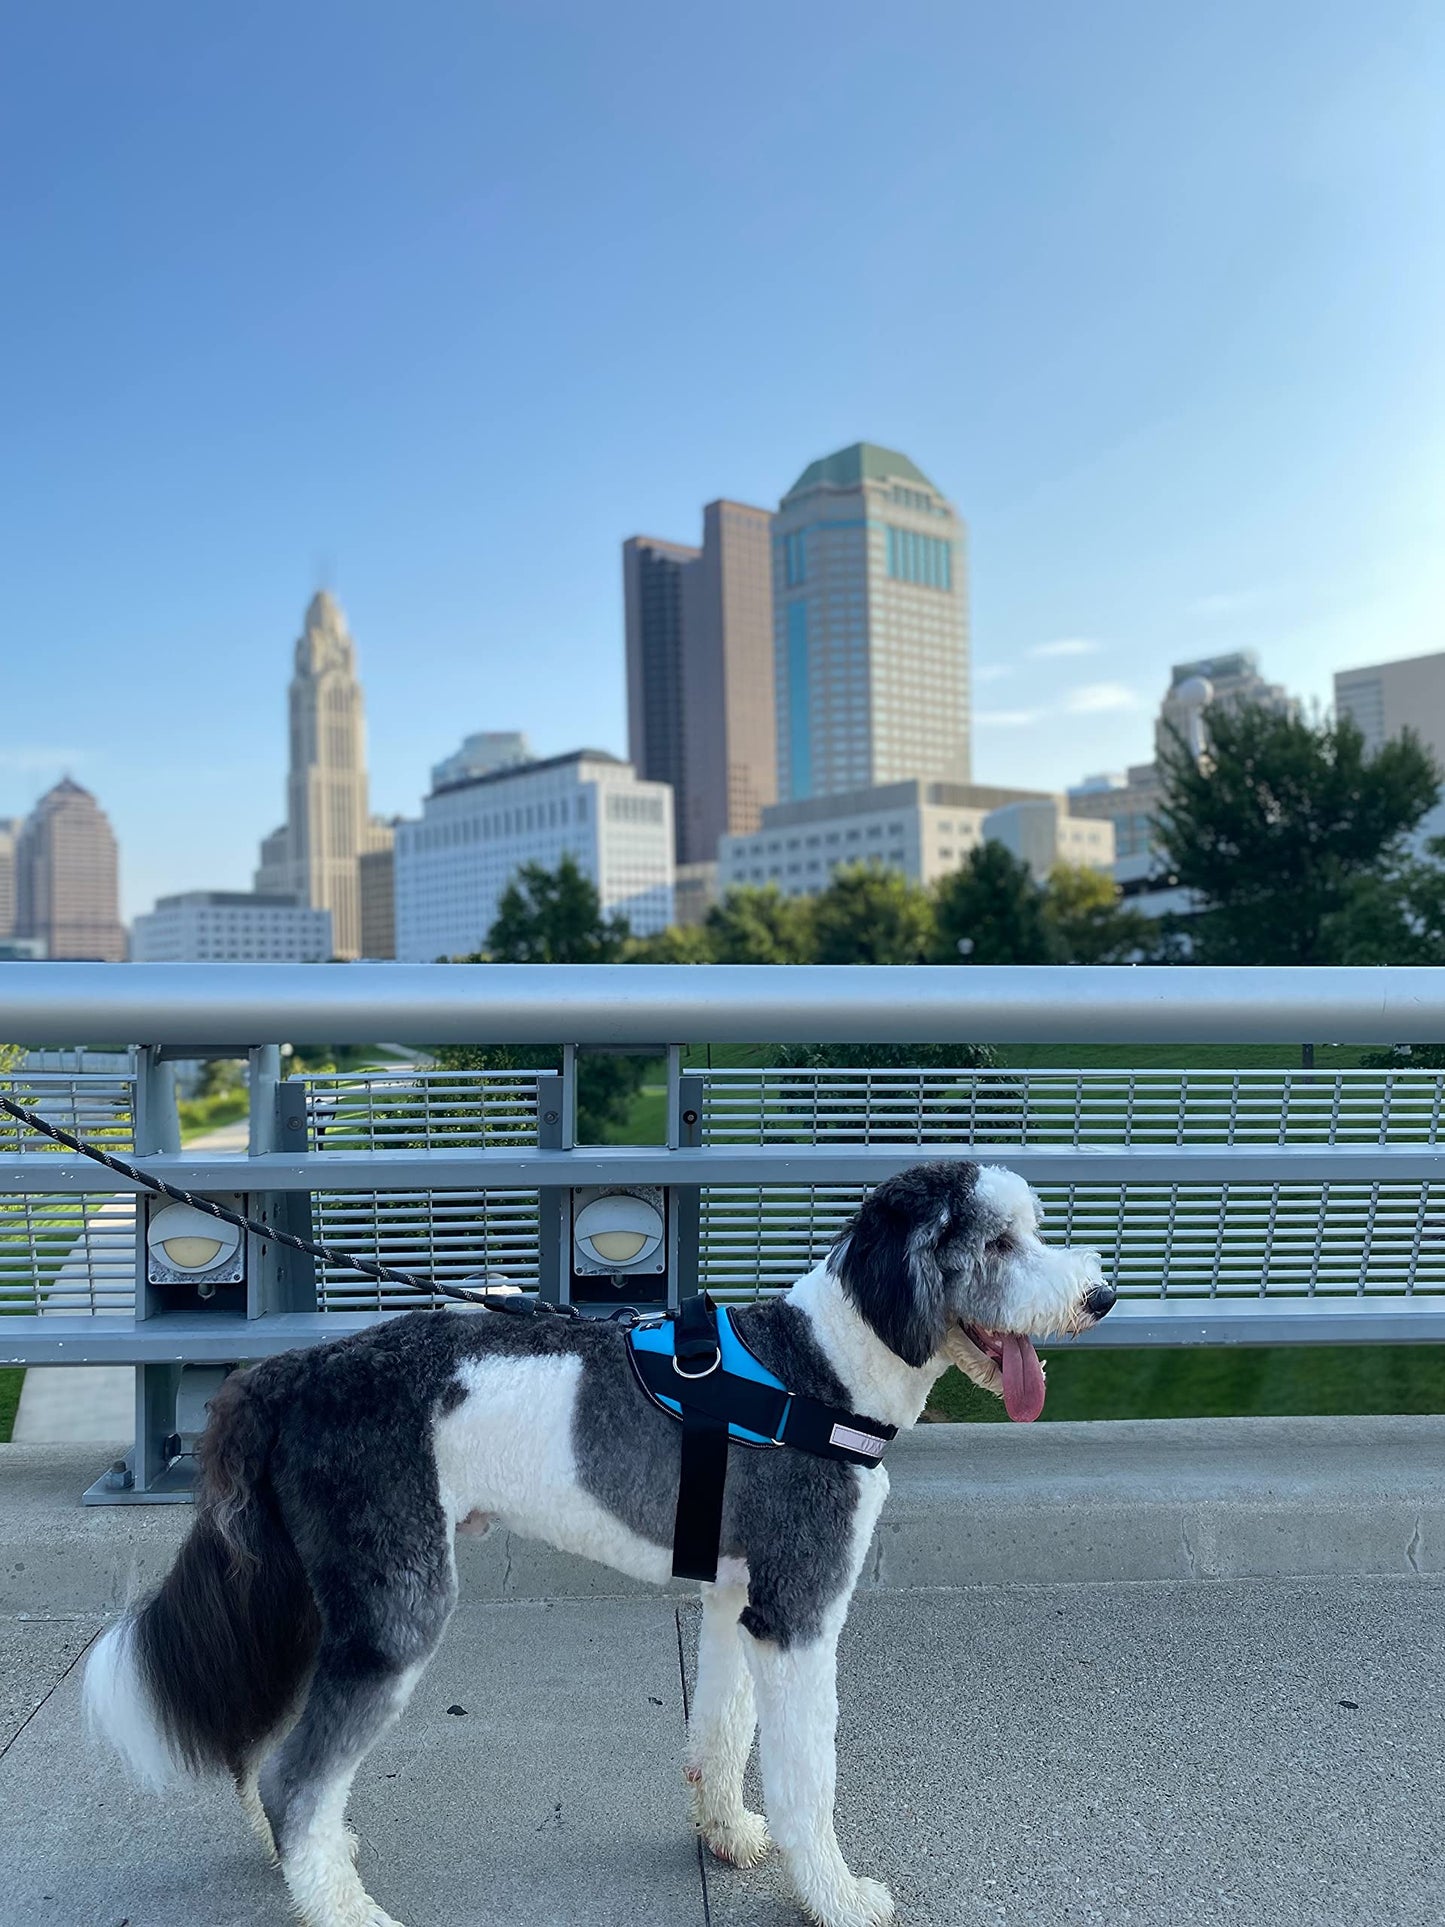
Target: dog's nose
<point>1100,1301</point>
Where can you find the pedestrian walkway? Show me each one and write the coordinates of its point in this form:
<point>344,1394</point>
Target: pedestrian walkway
<point>1265,1753</point>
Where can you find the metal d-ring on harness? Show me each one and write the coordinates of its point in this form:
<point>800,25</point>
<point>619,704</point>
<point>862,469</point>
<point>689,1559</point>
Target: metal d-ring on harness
<point>707,1378</point>
<point>493,1301</point>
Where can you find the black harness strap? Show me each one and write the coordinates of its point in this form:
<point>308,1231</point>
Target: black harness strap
<point>711,1399</point>
<point>697,1525</point>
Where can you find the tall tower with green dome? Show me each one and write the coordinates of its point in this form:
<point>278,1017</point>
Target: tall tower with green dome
<point>871,647</point>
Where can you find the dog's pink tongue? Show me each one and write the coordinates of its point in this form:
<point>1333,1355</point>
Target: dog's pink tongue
<point>1023,1379</point>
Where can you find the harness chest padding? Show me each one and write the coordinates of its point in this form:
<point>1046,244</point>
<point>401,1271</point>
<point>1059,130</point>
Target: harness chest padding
<point>698,1370</point>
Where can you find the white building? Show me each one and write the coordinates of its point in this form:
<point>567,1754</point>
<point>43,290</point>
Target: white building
<point>923,830</point>
<point>473,836</point>
<point>231,926</point>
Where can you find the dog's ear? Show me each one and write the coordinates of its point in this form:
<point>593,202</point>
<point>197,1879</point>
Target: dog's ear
<point>888,1258</point>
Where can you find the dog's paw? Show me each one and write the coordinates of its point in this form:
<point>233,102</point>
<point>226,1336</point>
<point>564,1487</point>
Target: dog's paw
<point>741,1841</point>
<point>854,1903</point>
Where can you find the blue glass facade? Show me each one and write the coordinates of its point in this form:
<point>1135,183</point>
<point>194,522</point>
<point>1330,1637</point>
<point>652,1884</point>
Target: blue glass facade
<point>924,559</point>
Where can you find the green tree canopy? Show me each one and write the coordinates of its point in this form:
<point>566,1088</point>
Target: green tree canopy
<point>679,943</point>
<point>553,916</point>
<point>1278,822</point>
<point>871,915</point>
<point>759,926</point>
<point>1085,921</point>
<point>1395,915</point>
<point>992,904</point>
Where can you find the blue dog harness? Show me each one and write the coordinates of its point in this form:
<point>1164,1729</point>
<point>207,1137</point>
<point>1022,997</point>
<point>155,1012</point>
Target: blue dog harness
<point>695,1367</point>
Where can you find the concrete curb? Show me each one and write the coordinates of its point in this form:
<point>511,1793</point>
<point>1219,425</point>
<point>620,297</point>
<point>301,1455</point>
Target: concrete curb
<point>971,1505</point>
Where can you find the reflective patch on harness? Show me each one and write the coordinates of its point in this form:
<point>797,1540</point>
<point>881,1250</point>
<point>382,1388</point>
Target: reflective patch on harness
<point>854,1441</point>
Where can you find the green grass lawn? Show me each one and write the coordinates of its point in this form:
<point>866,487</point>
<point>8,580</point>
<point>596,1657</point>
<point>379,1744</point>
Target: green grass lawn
<point>10,1378</point>
<point>1280,1381</point>
<point>201,1114</point>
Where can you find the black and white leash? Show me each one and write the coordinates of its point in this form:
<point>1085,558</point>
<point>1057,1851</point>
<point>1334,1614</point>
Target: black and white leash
<point>516,1303</point>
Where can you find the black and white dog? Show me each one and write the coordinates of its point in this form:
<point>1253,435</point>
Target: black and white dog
<point>319,1575</point>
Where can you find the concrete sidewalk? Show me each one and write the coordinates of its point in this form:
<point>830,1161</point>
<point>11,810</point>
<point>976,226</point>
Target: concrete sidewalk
<point>1234,1709</point>
<point>1266,1753</point>
<point>1193,1499</point>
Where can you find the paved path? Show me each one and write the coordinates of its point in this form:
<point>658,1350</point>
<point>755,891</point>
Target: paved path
<point>59,1403</point>
<point>1264,1753</point>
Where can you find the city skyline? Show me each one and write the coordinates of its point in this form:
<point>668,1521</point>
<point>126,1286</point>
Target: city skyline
<point>1144,744</point>
<point>1162,321</point>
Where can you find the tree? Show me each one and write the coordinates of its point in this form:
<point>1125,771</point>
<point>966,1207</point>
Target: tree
<point>553,916</point>
<point>1085,922</point>
<point>758,926</point>
<point>1275,826</point>
<point>1395,915</point>
<point>869,915</point>
<point>993,905</point>
<point>679,943</point>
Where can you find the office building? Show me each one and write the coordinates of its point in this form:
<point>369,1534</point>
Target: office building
<point>870,619</point>
<point>231,926</point>
<point>377,870</point>
<point>67,882</point>
<point>9,833</point>
<point>1391,697</point>
<point>453,865</point>
<point>922,830</point>
<point>480,754</point>
<point>700,673</point>
<point>694,892</point>
<point>315,853</point>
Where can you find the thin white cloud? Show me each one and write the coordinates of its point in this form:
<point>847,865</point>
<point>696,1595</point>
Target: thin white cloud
<point>1006,718</point>
<point>1065,646</point>
<point>1094,698</point>
<point>991,672</point>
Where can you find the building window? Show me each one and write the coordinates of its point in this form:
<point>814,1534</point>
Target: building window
<point>795,559</point>
<point>924,559</point>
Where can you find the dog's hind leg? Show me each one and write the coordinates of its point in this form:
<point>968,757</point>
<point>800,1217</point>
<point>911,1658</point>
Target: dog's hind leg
<point>382,1621</point>
<point>720,1729</point>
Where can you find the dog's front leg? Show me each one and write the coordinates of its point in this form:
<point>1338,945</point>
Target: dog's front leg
<point>720,1733</point>
<point>797,1698</point>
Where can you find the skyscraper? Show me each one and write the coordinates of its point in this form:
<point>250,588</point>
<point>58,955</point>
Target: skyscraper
<point>1388,698</point>
<point>67,888</point>
<point>870,600</point>
<point>9,831</point>
<point>652,603</point>
<point>699,673</point>
<point>314,855</point>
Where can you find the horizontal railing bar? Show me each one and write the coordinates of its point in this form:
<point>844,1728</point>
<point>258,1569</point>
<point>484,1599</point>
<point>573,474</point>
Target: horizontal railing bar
<point>201,1338</point>
<point>247,1004</point>
<point>799,1166</point>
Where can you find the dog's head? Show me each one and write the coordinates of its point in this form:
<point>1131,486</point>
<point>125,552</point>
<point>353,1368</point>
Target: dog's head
<point>945,1262</point>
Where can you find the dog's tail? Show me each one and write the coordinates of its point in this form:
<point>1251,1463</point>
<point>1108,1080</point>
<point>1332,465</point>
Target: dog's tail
<point>211,1665</point>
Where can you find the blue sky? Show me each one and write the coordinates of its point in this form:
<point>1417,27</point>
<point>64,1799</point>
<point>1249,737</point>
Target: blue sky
<point>439,303</point>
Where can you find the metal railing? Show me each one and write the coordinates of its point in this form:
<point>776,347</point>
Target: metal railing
<point>1232,1206</point>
